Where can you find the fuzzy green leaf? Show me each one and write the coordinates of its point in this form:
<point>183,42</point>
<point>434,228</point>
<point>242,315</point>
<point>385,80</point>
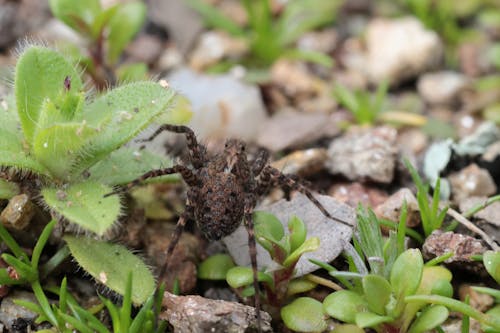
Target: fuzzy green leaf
<point>84,204</point>
<point>78,15</point>
<point>239,276</point>
<point>370,319</point>
<point>377,292</point>
<point>344,305</point>
<point>310,245</point>
<point>491,260</point>
<point>123,26</point>
<point>58,147</point>
<point>14,154</point>
<point>304,314</point>
<point>8,189</point>
<point>126,164</point>
<point>111,264</point>
<point>40,75</point>
<point>121,114</point>
<point>215,267</point>
<point>429,319</point>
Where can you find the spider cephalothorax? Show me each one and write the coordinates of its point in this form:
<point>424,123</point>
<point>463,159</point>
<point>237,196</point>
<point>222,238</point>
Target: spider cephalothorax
<point>223,191</point>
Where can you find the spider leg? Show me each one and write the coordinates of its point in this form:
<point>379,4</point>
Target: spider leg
<point>288,182</point>
<point>188,176</point>
<point>252,246</point>
<point>260,162</point>
<point>197,152</point>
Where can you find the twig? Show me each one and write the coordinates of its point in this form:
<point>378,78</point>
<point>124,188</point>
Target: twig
<point>469,225</point>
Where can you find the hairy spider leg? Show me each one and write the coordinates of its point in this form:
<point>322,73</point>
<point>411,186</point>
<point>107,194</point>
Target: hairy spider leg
<point>270,174</point>
<point>197,152</point>
<point>252,249</point>
<point>260,162</point>
<point>188,176</point>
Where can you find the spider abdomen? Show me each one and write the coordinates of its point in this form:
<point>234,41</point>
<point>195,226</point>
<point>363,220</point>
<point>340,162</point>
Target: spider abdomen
<point>220,206</point>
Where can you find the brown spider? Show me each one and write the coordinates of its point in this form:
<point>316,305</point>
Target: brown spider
<point>222,191</point>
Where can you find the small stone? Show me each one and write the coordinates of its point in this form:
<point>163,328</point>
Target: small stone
<point>294,78</point>
<point>477,300</point>
<point>463,247</point>
<point>18,213</point>
<point>195,314</point>
<point>332,234</point>
<point>214,46</point>
<point>145,48</point>
<point>354,194</point>
<point>400,49</point>
<point>490,213</point>
<point>442,87</point>
<point>471,181</point>
<point>302,162</point>
<point>391,208</point>
<point>169,59</point>
<point>11,314</point>
<point>323,41</point>
<point>365,154</point>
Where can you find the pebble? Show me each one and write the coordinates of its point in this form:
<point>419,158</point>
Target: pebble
<point>302,162</point>
<point>442,87</point>
<point>294,79</point>
<point>365,154</point>
<point>195,314</point>
<point>213,46</point>
<point>18,213</point>
<point>145,48</point>
<point>12,314</point>
<point>463,246</point>
<point>471,181</point>
<point>332,234</point>
<point>354,194</point>
<point>391,208</point>
<point>490,213</point>
<point>400,49</point>
<point>324,41</point>
<point>223,106</point>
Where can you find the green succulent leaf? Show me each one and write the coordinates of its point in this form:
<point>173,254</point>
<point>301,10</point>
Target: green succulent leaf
<point>430,318</point>
<point>406,272</point>
<point>126,164</point>
<point>121,114</point>
<point>310,245</point>
<point>491,260</point>
<point>41,74</point>
<point>8,189</point>
<point>215,267</point>
<point>111,264</point>
<point>268,230</point>
<point>370,319</point>
<point>298,232</point>
<point>493,313</point>
<point>347,329</point>
<point>239,276</point>
<point>78,15</point>
<point>123,26</point>
<point>377,292</point>
<point>344,305</point>
<point>84,204</point>
<point>442,287</point>
<point>300,285</point>
<point>304,314</point>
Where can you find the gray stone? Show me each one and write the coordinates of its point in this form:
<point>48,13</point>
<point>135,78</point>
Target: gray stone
<point>471,181</point>
<point>391,208</point>
<point>11,313</point>
<point>332,235</point>
<point>442,88</point>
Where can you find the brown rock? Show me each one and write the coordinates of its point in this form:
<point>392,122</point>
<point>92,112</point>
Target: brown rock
<point>463,247</point>
<point>471,181</point>
<point>391,208</point>
<point>18,213</point>
<point>354,194</point>
<point>490,213</point>
<point>195,314</point>
<point>302,162</point>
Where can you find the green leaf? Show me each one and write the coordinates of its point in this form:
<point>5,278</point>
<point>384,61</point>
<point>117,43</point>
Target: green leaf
<point>50,70</point>
<point>216,18</point>
<point>298,232</point>
<point>369,319</point>
<point>430,318</point>
<point>126,164</point>
<point>344,305</point>
<point>110,264</point>
<point>180,113</point>
<point>79,15</point>
<point>8,189</point>
<point>493,313</point>
<point>239,276</point>
<point>442,287</point>
<point>268,230</point>
<point>491,260</point>
<point>300,285</point>
<point>310,245</point>
<point>406,272</point>
<point>304,314</point>
<point>58,147</point>
<point>123,26</point>
<point>132,72</point>
<point>377,292</point>
<point>347,329</point>
<point>121,114</point>
<point>84,204</point>
<point>215,267</point>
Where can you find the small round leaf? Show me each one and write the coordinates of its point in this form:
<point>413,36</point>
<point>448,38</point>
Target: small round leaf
<point>431,317</point>
<point>304,314</point>
<point>406,272</point>
<point>240,276</point>
<point>377,292</point>
<point>215,267</point>
<point>344,305</point>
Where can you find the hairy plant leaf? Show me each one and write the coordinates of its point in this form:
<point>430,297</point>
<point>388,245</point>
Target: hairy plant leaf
<point>377,292</point>
<point>215,267</point>
<point>305,314</point>
<point>126,164</point>
<point>121,114</point>
<point>8,189</point>
<point>111,264</point>
<point>344,305</point>
<point>429,319</point>
<point>41,74</point>
<point>123,25</point>
<point>84,204</point>
<point>79,15</point>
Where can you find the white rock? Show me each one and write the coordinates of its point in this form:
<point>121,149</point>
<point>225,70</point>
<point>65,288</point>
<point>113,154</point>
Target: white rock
<point>222,105</point>
<point>441,87</point>
<point>400,49</point>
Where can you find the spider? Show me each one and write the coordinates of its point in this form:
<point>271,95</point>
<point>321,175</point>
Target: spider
<point>222,192</point>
